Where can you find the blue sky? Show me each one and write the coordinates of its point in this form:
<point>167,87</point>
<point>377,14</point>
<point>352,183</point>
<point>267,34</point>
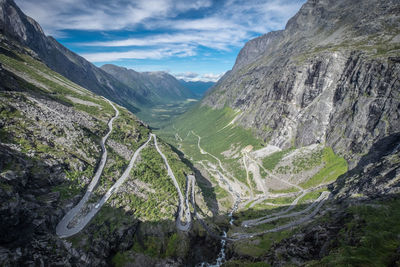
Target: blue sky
<point>193,40</point>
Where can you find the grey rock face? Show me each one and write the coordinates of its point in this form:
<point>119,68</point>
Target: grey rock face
<point>322,79</point>
<point>255,48</point>
<point>24,199</point>
<point>377,173</point>
<point>366,105</point>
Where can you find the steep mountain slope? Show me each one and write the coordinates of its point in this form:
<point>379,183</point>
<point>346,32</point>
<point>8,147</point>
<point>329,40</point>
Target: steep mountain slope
<point>16,25</point>
<point>198,88</point>
<point>330,77</point>
<point>50,135</point>
<point>158,87</point>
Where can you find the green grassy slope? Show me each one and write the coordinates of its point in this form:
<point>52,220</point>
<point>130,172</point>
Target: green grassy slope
<point>213,127</point>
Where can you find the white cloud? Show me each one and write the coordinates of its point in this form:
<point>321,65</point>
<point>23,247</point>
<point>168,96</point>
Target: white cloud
<point>102,15</point>
<point>211,23</point>
<point>217,40</point>
<point>194,77</point>
<point>230,25</point>
<point>212,77</point>
<point>55,16</point>
<point>183,51</point>
<point>222,26</point>
<point>192,4</point>
<point>186,75</point>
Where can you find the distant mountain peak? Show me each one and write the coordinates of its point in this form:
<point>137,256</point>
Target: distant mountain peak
<point>199,88</point>
<point>157,86</point>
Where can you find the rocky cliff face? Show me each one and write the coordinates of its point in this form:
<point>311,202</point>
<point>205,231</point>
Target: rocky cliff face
<point>156,87</point>
<point>377,173</point>
<point>329,77</point>
<point>17,26</point>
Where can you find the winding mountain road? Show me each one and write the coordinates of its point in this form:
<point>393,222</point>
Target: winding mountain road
<point>321,200</point>
<point>232,181</point>
<point>315,206</point>
<point>183,226</point>
<point>79,222</point>
<point>277,216</point>
<point>272,175</point>
<point>184,216</point>
<point>291,206</point>
<point>62,230</point>
<point>248,178</point>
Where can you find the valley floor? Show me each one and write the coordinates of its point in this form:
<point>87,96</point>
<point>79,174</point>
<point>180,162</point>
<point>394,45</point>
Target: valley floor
<point>265,190</point>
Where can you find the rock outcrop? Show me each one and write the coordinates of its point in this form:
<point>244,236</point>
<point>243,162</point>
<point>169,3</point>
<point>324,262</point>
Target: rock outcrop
<point>377,174</point>
<point>330,77</point>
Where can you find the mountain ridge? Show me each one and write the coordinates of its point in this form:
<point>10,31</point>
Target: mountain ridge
<point>50,145</point>
<point>14,24</point>
<point>155,86</point>
<point>199,88</point>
